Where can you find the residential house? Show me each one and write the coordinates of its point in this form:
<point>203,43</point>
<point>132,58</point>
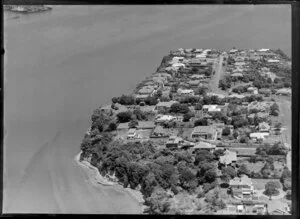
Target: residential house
<point>206,132</point>
<point>237,75</point>
<point>241,186</point>
<point>186,92</point>
<point>212,108</point>
<point>239,59</point>
<point>229,158</point>
<point>194,83</point>
<point>164,118</point>
<point>159,131</point>
<point>284,91</point>
<point>195,76</point>
<point>141,125</point>
<point>164,105</point>
<point>131,134</point>
<point>195,62</point>
<point>107,109</point>
<point>141,97</point>
<point>252,90</point>
<point>220,96</point>
<point>238,96</point>
<point>233,51</point>
<point>219,127</point>
<point>204,145</point>
<point>258,135</point>
<point>264,127</point>
<point>273,61</point>
<point>147,90</point>
<point>174,142</point>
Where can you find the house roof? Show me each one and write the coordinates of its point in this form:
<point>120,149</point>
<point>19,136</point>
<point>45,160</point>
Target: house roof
<point>243,180</point>
<point>194,82</point>
<point>204,145</point>
<point>258,135</point>
<point>264,125</point>
<point>166,104</point>
<point>204,129</point>
<point>237,75</point>
<point>228,157</point>
<point>239,96</point>
<point>141,125</point>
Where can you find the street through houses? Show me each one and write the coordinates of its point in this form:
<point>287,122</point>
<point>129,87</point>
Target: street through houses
<point>219,71</point>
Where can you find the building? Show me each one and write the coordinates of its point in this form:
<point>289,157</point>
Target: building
<point>258,135</point>
<point>211,108</point>
<point>284,91</point>
<point>164,118</point>
<point>186,92</point>
<point>141,97</point>
<point>164,105</point>
<point>241,187</point>
<point>141,125</point>
<point>263,127</point>
<point>252,90</point>
<point>174,142</point>
<point>237,75</point>
<point>194,83</point>
<point>195,62</point>
<point>160,132</point>
<point>131,134</point>
<point>238,96</point>
<point>206,132</point>
<point>147,90</point>
<point>228,158</point>
<point>204,145</point>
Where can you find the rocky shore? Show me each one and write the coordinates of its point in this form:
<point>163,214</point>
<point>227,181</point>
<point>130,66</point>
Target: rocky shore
<point>96,178</point>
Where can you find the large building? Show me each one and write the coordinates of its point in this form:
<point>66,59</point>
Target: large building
<point>206,132</point>
<point>241,187</point>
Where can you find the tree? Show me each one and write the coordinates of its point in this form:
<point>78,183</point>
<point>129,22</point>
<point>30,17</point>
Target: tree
<point>187,116</point>
<point>151,100</point>
<point>112,126</point>
<point>127,100</point>
<point>229,171</point>
<point>286,174</point>
<point>235,134</point>
<point>198,106</point>
<point>243,169</point>
<point>274,109</point>
<point>179,108</point>
<point>226,131</point>
<point>210,176</point>
<point>133,124</point>
<point>288,195</point>
<point>200,122</point>
<point>201,91</point>
<point>218,153</point>
<point>271,188</point>
<point>158,202</point>
<point>124,116</point>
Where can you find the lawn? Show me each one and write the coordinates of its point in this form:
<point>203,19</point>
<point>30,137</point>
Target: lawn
<point>260,183</point>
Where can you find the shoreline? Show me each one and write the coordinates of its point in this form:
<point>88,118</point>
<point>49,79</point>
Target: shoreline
<point>96,178</point>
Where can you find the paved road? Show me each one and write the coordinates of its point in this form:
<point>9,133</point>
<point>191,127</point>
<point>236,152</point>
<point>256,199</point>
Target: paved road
<point>218,73</point>
<point>286,119</point>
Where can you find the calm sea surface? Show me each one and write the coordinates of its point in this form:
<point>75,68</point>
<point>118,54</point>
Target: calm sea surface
<point>62,64</point>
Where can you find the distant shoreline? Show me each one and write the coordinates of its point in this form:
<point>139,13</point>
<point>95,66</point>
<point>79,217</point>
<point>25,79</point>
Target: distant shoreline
<point>96,178</point>
<point>27,9</point>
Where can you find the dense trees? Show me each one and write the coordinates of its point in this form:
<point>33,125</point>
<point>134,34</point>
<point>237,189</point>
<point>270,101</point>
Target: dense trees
<point>225,83</point>
<point>187,116</point>
<point>124,116</point>
<point>274,109</point>
<point>271,188</point>
<point>201,122</point>
<point>226,131</point>
<point>179,108</point>
<point>243,169</point>
<point>124,100</point>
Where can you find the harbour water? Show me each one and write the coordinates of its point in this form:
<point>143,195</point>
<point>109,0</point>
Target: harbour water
<point>61,65</point>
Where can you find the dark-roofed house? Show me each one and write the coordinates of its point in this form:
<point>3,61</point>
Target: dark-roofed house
<point>206,132</point>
